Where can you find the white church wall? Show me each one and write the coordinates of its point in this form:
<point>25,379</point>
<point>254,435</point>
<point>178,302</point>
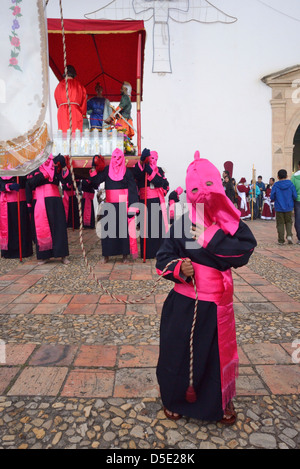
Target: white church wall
<point>214,100</point>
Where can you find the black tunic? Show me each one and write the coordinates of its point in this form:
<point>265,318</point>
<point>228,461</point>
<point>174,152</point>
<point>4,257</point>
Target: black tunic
<point>155,224</point>
<point>177,318</point>
<point>73,220</point>
<point>114,221</point>
<point>56,218</point>
<point>13,251</point>
<point>87,187</point>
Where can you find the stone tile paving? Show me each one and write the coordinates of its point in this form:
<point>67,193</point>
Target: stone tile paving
<point>77,367</point>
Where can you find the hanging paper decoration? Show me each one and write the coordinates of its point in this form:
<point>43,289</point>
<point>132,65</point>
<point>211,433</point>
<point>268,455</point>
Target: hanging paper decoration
<point>25,138</point>
<point>161,11</point>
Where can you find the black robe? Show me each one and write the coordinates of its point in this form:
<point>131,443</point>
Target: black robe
<point>55,214</point>
<point>72,216</point>
<point>117,219</point>
<point>87,187</point>
<point>155,224</point>
<point>13,251</point>
<point>221,253</point>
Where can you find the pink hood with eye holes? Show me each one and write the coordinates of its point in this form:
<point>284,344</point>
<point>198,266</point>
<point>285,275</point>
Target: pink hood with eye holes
<point>117,168</point>
<point>217,207</point>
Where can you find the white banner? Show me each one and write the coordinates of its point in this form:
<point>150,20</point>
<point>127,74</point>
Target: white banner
<point>24,137</point>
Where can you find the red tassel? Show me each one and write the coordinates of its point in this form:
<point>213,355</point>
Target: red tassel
<point>100,163</point>
<point>190,394</point>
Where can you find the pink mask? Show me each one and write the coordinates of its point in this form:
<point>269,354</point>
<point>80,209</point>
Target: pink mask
<point>153,160</point>
<point>204,186</point>
<point>117,167</point>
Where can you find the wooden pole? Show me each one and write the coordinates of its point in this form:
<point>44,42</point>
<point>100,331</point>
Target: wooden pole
<point>253,191</point>
<point>72,202</point>
<point>145,218</point>
<point>138,92</point>
<point>19,224</point>
<point>139,136</point>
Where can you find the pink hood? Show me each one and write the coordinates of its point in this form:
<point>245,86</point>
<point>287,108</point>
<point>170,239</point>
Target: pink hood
<point>117,166</point>
<point>209,204</point>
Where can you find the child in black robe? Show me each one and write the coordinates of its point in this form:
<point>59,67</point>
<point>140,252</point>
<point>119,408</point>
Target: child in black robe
<point>198,360</point>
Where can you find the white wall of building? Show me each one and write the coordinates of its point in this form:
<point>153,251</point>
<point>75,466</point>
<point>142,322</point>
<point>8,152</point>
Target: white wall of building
<point>214,100</point>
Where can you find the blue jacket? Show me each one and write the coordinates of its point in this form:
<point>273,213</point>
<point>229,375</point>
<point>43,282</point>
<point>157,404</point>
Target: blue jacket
<point>283,194</point>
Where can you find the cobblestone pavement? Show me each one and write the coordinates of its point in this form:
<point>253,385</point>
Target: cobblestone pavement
<point>77,368</point>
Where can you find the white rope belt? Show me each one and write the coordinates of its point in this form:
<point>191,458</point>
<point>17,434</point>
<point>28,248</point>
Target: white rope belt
<point>62,104</point>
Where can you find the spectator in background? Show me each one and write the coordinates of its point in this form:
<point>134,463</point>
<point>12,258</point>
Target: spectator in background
<point>229,189</point>
<point>243,204</point>
<point>262,189</point>
<point>268,211</point>
<point>284,194</point>
<point>235,192</point>
<point>254,194</point>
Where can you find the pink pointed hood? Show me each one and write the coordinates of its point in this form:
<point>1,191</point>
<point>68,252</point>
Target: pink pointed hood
<point>117,166</point>
<point>48,168</point>
<point>206,197</point>
<point>153,161</point>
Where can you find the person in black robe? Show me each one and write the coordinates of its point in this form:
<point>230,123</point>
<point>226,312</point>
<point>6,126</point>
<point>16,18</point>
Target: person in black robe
<point>198,358</point>
<point>153,192</point>
<point>119,209</point>
<point>13,201</point>
<point>48,214</point>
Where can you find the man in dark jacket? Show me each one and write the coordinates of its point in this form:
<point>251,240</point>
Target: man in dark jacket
<point>283,194</point>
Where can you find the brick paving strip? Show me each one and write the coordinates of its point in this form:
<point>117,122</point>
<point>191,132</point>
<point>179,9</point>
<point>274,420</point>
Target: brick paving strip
<point>129,371</point>
<point>77,368</point>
